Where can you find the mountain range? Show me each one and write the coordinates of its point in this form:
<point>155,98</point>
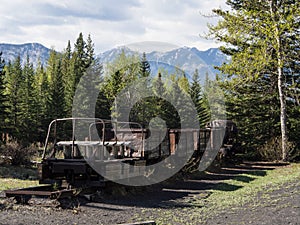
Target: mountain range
<point>185,58</point>
<point>35,51</point>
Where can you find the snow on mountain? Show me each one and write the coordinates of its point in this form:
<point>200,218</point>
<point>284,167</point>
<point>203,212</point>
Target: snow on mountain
<point>35,51</point>
<point>184,58</point>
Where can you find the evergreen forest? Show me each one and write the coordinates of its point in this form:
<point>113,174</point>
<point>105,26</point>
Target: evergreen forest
<point>261,83</point>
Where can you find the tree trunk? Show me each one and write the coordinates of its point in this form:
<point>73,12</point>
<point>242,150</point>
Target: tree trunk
<point>283,118</point>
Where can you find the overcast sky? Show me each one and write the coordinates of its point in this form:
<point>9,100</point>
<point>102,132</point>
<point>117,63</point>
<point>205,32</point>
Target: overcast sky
<point>111,23</point>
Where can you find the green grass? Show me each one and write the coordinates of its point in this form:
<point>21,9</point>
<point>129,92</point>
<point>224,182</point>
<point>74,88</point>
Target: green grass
<point>251,192</point>
<point>246,189</point>
<point>12,177</point>
<point>10,183</point>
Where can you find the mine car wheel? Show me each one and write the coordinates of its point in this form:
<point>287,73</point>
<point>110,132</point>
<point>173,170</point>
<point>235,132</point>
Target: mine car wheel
<point>23,199</point>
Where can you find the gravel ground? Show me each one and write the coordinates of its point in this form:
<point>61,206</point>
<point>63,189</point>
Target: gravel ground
<point>281,207</point>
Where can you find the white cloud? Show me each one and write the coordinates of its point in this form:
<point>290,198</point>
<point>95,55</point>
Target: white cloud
<point>110,23</point>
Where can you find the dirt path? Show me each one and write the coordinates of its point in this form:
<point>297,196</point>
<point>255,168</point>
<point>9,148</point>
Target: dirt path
<point>182,202</point>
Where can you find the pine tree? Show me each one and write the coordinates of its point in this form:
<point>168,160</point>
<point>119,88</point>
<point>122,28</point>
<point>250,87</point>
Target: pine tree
<point>103,104</point>
<point>293,106</point>
<point>121,72</point>
<point>145,108</point>
<point>57,96</point>
<point>145,66</point>
<point>14,81</point>
<point>184,84</point>
<point>80,59</point>
<point>213,100</point>
<point>75,65</point>
<point>254,106</point>
<point>195,89</point>
<point>28,102</point>
<point>199,99</point>
<point>263,39</point>
<point>3,101</point>
<point>67,68</point>
<point>87,92</point>
<point>90,51</point>
<point>163,108</point>
<point>43,99</point>
<point>141,110</point>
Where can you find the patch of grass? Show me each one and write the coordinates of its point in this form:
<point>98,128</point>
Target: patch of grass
<point>10,183</point>
<point>250,192</point>
<point>12,177</point>
<point>249,189</point>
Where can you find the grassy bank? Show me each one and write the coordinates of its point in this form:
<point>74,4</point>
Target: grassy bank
<point>253,188</point>
<point>247,188</point>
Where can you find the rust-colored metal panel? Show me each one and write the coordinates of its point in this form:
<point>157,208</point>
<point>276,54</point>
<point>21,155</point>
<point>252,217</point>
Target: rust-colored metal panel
<point>172,137</point>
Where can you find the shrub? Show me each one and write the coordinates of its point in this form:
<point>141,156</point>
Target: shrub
<point>272,149</point>
<point>17,154</point>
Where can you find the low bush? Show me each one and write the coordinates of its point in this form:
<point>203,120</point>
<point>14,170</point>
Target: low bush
<point>17,154</point>
<point>272,150</point>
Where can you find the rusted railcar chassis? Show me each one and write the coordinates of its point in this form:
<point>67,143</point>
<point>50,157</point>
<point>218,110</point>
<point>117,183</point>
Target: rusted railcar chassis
<point>68,155</point>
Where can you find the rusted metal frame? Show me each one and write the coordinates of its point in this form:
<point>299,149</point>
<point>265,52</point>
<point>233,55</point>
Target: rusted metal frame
<point>133,123</point>
<point>38,191</point>
<point>74,127</point>
<point>116,131</point>
<point>47,139</point>
<point>64,119</point>
<point>73,138</point>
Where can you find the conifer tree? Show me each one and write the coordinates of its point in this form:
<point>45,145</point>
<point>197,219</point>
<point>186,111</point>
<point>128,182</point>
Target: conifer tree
<point>254,106</point>
<point>67,68</point>
<point>90,51</point>
<point>213,100</point>
<point>14,81</point>
<point>176,92</point>
<point>102,109</point>
<point>162,108</point>
<point>43,99</point>
<point>121,72</point>
<point>199,99</point>
<point>146,108</point>
<point>263,39</point>
<point>74,66</point>
<point>142,109</point>
<point>145,66</point>
<point>80,59</point>
<point>57,95</point>
<point>28,103</point>
<point>183,83</point>
<point>3,100</point>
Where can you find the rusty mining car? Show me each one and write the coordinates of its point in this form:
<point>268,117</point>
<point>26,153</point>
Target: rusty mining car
<point>120,150</point>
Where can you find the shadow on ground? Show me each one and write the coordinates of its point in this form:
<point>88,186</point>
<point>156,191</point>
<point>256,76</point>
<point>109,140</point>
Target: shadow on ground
<point>176,192</point>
